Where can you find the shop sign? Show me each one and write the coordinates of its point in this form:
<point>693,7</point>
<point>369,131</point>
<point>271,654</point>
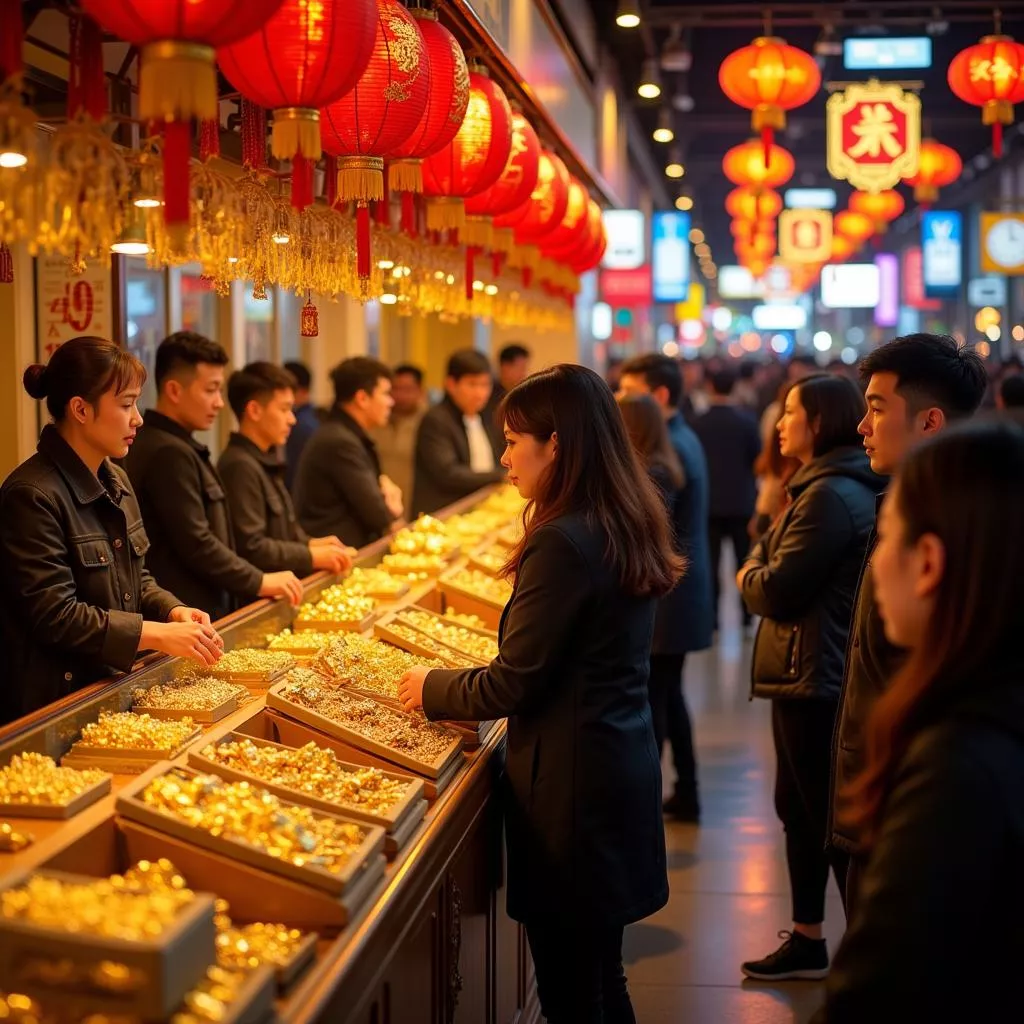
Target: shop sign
<point>692,308</point>
<point>627,288</point>
<point>986,291</point>
<point>913,281</point>
<point>942,251</point>
<point>68,305</point>
<point>670,255</point>
<point>805,236</point>
<point>1002,243</point>
<point>874,135</point>
<point>850,286</point>
<point>625,231</point>
<point>887,312</point>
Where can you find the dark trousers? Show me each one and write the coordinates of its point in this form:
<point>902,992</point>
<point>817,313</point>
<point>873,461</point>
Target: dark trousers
<point>672,719</point>
<point>855,872</point>
<point>802,730</point>
<point>580,978</point>
<point>735,529</point>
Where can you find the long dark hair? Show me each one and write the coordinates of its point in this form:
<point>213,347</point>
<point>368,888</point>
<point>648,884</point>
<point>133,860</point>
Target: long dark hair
<point>596,473</point>
<point>85,367</point>
<point>835,405</point>
<point>966,487</point>
<point>645,424</point>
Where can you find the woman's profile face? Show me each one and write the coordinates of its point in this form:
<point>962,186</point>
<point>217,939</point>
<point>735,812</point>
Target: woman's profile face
<point>526,459</point>
<point>796,436</point>
<point>905,576</point>
<point>110,426</point>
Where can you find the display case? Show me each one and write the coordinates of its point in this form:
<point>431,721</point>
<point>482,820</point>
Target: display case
<point>416,934</point>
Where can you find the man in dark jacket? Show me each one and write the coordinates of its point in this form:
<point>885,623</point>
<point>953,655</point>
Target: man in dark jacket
<point>307,419</point>
<point>916,385</point>
<point>340,490</point>
<point>732,443</point>
<point>181,495</point>
<point>455,445</point>
<point>685,617</point>
<point>267,531</point>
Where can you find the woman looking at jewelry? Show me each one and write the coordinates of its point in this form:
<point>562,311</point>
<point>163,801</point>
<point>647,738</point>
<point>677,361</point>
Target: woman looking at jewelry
<point>76,601</point>
<point>582,800</point>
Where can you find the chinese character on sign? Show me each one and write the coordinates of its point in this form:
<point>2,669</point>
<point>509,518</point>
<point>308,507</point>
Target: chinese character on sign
<point>805,236</point>
<point>874,135</point>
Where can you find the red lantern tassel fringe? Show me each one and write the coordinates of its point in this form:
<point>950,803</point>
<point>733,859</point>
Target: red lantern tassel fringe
<point>331,180</point>
<point>87,83</point>
<point>209,139</point>
<point>177,151</point>
<point>12,31</point>
<point>302,182</point>
<point>471,251</point>
<point>997,139</point>
<point>254,136</point>
<point>408,213</point>
<point>497,259</point>
<point>363,240</point>
<point>382,212</point>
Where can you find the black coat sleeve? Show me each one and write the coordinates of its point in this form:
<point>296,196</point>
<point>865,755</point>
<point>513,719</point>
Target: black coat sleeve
<point>360,486</point>
<point>926,894</point>
<point>544,616</point>
<point>437,458</point>
<point>173,489</point>
<point>248,509</point>
<point>814,541</point>
<point>155,602</point>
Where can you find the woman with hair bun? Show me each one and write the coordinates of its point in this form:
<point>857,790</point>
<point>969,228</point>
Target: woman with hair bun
<point>76,601</point>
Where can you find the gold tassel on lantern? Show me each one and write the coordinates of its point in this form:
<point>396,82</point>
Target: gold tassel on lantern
<point>310,320</point>
<point>446,213</point>
<point>296,130</point>
<point>361,178</point>
<point>503,239</point>
<point>405,175</point>
<point>177,80</point>
<point>478,231</point>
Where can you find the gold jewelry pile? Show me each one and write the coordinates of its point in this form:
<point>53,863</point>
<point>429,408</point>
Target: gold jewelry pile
<point>451,658</point>
<point>373,583</point>
<point>249,814</point>
<point>452,634</point>
<point>476,582</point>
<point>426,536</point>
<point>244,947</point>
<point>211,999</point>
<point>414,567</point>
<point>410,734</point>
<point>368,663</point>
<point>470,621</point>
<point>13,841</point>
<point>491,559</point>
<point>124,730</point>
<point>101,907</point>
<point>336,604</point>
<point>253,661</point>
<point>32,778</point>
<point>313,770</point>
<point>187,694</point>
<point>472,527</point>
<point>304,641</point>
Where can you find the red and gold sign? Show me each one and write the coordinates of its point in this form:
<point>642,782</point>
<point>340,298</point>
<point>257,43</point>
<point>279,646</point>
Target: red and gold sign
<point>874,135</point>
<point>805,236</point>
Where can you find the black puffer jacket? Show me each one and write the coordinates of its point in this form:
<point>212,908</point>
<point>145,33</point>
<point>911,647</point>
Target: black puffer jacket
<point>804,576</point>
<point>942,897</point>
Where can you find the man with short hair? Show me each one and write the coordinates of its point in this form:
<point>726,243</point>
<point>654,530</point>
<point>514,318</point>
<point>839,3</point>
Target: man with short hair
<point>307,419</point>
<point>396,440</point>
<point>340,490</point>
<point>513,369</point>
<point>732,442</point>
<point>916,386</point>
<point>684,622</point>
<point>456,444</point>
<point>184,506</point>
<point>267,531</point>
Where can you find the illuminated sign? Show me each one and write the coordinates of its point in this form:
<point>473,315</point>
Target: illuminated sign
<point>850,285</point>
<point>781,317</point>
<point>942,235</point>
<point>887,312</point>
<point>670,255</point>
<point>626,287</point>
<point>627,247</point>
<point>887,54</point>
<point>810,198</point>
<point>735,282</point>
<point>805,236</point>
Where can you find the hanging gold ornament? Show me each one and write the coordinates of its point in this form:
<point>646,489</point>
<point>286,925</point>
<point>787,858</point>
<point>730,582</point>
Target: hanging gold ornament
<point>309,319</point>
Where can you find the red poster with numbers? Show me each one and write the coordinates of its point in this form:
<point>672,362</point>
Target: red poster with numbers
<point>70,304</point>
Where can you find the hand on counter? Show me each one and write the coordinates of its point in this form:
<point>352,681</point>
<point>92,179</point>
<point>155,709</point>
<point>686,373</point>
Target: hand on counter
<point>392,496</point>
<point>331,555</point>
<point>188,634</point>
<point>410,687</point>
<point>282,584</point>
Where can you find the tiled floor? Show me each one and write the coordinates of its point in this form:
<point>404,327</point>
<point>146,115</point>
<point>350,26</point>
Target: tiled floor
<point>729,888</point>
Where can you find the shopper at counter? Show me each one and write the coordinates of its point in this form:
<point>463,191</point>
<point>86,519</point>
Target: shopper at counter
<point>456,444</point>
<point>76,600</point>
<point>340,490</point>
<point>396,440</point>
<point>182,496</point>
<point>586,844</point>
<point>939,803</point>
<point>267,531</point>
<point>307,418</point>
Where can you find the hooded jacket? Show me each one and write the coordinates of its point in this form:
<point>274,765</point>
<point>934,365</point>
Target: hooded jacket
<point>804,577</point>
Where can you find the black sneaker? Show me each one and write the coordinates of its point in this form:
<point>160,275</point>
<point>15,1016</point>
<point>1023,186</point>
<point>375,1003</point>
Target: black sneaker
<point>683,808</point>
<point>797,957</point>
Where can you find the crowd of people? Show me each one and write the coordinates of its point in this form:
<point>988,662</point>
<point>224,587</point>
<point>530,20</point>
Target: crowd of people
<point>875,523</point>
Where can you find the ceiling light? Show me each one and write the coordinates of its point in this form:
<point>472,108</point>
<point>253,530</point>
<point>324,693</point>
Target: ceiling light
<point>491,289</point>
<point>385,264</point>
<point>280,237</point>
<point>664,132</point>
<point>675,170</point>
<point>650,80</point>
<point>683,102</point>
<point>132,241</point>
<point>676,55</point>
<point>628,15</point>
<point>684,203</point>
<point>388,299</point>
<point>696,236</point>
<point>9,159</point>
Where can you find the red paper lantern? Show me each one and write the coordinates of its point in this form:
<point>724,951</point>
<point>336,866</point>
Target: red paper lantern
<point>769,77</point>
<point>939,166</point>
<point>990,75</point>
<point>474,160</point>
<point>591,255</point>
<point>305,57</point>
<point>751,204</point>
<point>518,179</point>
<point>573,225</point>
<point>380,112</point>
<point>858,227</point>
<point>759,247</point>
<point>747,165</point>
<point>547,204</point>
<point>177,77</point>
<point>744,230</point>
<point>882,207</point>
<point>843,247</point>
<point>447,100</point>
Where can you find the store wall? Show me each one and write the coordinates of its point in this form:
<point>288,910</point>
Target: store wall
<point>19,414</point>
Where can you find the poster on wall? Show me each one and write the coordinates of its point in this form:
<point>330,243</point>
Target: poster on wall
<point>68,305</point>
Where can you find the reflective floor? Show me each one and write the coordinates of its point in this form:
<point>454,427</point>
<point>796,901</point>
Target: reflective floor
<point>729,888</point>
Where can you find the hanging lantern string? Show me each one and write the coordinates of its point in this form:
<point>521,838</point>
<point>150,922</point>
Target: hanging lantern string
<point>254,136</point>
<point>87,83</point>
<point>331,180</point>
<point>11,32</point>
<point>209,139</point>
<point>409,213</point>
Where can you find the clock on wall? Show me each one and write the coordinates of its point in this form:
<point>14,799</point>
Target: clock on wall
<point>1002,243</point>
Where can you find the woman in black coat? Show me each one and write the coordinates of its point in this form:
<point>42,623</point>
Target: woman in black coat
<point>801,579</point>
<point>76,601</point>
<point>936,935</point>
<point>586,844</point>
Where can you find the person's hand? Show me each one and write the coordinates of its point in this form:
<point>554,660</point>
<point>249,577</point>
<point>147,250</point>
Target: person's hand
<point>334,558</point>
<point>410,687</point>
<point>282,584</point>
<point>316,542</point>
<point>183,614</point>
<point>197,641</point>
<point>392,497</point>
